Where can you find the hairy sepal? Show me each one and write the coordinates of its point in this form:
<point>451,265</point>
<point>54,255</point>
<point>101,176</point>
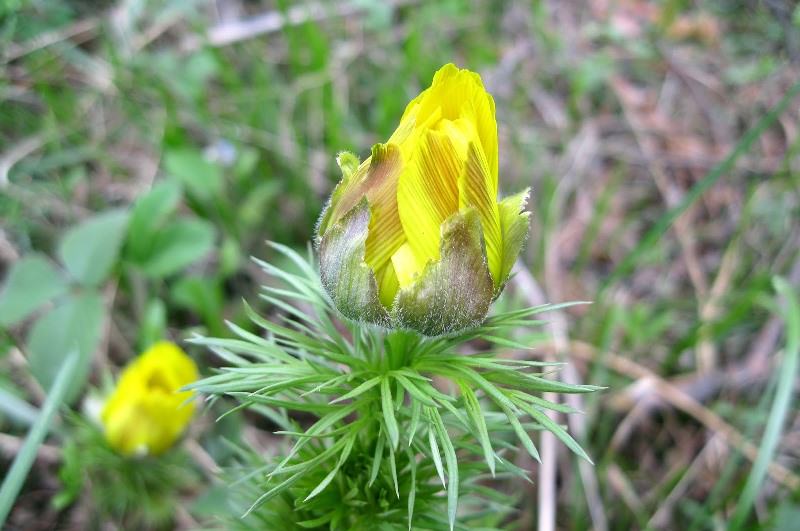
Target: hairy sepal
<point>345,276</point>
<point>454,292</point>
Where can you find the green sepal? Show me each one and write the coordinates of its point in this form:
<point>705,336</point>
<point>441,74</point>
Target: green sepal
<point>454,292</point>
<point>345,276</point>
<point>348,163</point>
<point>514,225</point>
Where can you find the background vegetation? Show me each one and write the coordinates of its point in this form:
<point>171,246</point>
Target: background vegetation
<point>148,148</point>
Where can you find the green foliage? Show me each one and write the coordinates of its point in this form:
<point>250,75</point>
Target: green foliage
<point>159,244</point>
<point>72,324</point>
<point>383,406</point>
<point>89,250</point>
<point>176,246</point>
<point>14,479</point>
<point>783,396</point>
<point>93,110</point>
<point>31,282</point>
<point>134,493</point>
<point>201,178</point>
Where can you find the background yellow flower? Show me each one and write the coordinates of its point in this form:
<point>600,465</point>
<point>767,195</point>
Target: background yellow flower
<point>146,413</point>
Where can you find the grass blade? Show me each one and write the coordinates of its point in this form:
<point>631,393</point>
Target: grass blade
<point>27,454</point>
<point>780,406</point>
<point>653,236</point>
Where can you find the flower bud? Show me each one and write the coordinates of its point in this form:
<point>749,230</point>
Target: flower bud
<point>414,237</point>
<point>146,413</point>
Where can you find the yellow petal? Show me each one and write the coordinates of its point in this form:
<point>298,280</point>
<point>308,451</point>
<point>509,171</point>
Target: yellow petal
<point>514,220</point>
<point>427,194</point>
<point>146,413</point>
<point>475,191</point>
<point>456,94</point>
<point>406,266</point>
<point>375,179</point>
<point>385,231</point>
<point>387,283</point>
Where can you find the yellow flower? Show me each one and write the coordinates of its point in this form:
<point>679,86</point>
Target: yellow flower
<point>146,414</point>
<point>414,236</point>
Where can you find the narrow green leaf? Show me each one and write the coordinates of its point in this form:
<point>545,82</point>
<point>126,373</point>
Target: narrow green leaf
<point>522,435</point>
<point>479,381</point>
<point>377,457</point>
<point>412,492</point>
<point>548,423</point>
<point>546,404</point>
<point>15,477</point>
<point>271,493</point>
<point>437,457</point>
<point>32,281</point>
<point>787,372</point>
<point>414,391</point>
<point>361,389</point>
<point>388,413</point>
<point>479,423</point>
<point>452,466</point>
<point>318,427</point>
<point>348,447</point>
<point>393,469</point>
<point>316,523</point>
<point>416,409</point>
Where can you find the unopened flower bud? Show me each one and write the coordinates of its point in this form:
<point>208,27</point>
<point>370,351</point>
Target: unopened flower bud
<point>414,236</point>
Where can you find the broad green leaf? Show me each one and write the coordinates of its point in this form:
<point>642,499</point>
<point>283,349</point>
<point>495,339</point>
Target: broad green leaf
<point>154,323</point>
<point>32,281</point>
<point>177,246</point>
<point>203,179</point>
<point>201,295</point>
<point>90,249</point>
<point>149,213</point>
<point>75,323</point>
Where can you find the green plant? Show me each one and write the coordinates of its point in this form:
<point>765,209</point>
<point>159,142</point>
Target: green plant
<point>136,493</point>
<point>145,244</point>
<point>379,417</point>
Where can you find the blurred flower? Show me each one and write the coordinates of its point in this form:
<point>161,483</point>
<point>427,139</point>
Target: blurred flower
<point>414,237</point>
<point>146,413</point>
